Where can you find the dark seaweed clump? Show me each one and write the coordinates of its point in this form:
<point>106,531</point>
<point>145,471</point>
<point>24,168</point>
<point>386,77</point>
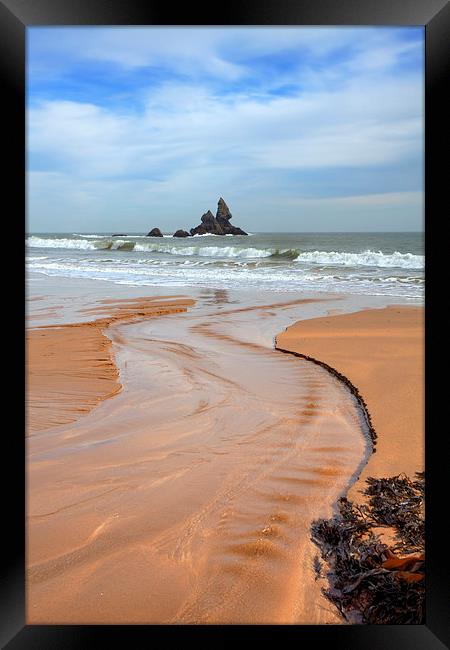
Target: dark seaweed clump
<point>369,582</point>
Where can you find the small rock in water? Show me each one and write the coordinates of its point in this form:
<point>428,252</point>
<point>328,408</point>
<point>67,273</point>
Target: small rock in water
<point>181,233</point>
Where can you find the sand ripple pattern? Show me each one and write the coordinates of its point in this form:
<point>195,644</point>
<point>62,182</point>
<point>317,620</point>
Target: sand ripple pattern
<point>188,497</point>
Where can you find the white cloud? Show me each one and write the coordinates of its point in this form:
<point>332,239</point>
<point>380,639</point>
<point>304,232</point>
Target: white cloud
<point>384,199</point>
<point>193,138</point>
<point>225,53</point>
<point>183,124</point>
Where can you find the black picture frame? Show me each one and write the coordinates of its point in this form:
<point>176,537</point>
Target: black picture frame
<point>434,15</point>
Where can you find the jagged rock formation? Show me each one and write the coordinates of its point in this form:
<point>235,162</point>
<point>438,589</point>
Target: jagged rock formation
<point>181,233</point>
<point>219,224</point>
<point>155,232</point>
<point>209,225</point>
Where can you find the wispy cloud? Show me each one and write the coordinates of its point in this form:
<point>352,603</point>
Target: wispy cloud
<point>159,118</point>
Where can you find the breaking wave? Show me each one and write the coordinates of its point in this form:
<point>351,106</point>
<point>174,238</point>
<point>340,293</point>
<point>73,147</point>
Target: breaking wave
<point>367,258</point>
<point>127,245</point>
<point>334,258</point>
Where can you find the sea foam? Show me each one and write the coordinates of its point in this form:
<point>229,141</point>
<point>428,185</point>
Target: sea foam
<point>336,258</point>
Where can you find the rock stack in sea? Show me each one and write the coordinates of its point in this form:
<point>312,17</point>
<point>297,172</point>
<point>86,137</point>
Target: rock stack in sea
<point>210,224</point>
<point>219,224</point>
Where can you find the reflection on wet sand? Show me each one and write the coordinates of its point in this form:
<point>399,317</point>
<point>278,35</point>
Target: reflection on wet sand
<point>216,297</point>
<point>188,497</point>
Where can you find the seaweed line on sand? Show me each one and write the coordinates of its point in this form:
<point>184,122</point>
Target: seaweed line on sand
<point>345,380</point>
<point>368,582</point>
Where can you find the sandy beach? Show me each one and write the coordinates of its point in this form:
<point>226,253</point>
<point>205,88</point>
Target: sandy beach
<point>174,474</point>
<point>381,351</point>
<point>190,493</point>
<point>70,368</point>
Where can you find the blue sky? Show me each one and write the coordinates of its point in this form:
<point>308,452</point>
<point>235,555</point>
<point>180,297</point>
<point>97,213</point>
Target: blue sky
<point>299,129</point>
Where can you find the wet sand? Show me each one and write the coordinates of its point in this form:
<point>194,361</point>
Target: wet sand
<point>70,369</point>
<point>381,351</point>
<point>188,497</point>
<point>61,387</point>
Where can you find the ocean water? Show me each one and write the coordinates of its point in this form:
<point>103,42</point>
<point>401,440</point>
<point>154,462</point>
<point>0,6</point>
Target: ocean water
<point>390,264</point>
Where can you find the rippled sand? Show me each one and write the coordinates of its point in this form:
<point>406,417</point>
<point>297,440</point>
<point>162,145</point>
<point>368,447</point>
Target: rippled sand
<point>381,351</point>
<point>188,497</point>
